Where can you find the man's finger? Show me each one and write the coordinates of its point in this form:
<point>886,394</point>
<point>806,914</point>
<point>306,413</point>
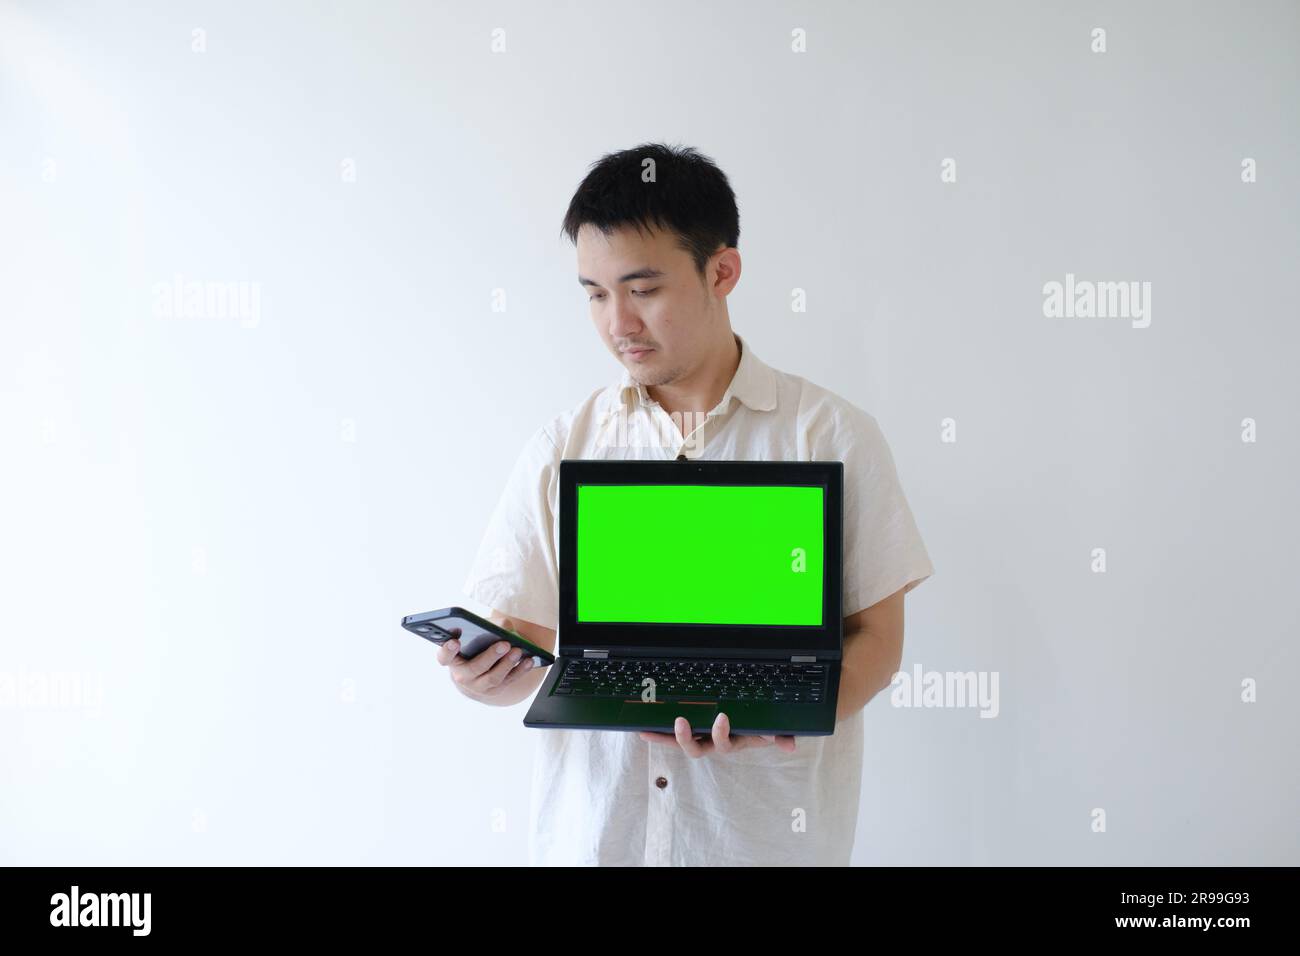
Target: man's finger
<point>686,741</point>
<point>744,741</point>
<point>485,660</point>
<point>722,741</point>
<point>693,747</point>
<point>524,666</point>
<point>496,670</point>
<point>449,651</point>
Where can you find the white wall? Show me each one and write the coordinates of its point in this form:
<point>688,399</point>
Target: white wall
<point>186,527</point>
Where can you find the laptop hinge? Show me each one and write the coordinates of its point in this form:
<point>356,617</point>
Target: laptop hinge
<point>797,659</point>
<point>590,653</point>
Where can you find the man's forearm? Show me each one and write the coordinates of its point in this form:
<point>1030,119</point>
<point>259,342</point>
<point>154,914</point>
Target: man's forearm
<point>868,666</point>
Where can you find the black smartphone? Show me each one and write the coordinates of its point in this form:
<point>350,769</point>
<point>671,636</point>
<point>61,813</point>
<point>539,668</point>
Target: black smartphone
<point>476,633</point>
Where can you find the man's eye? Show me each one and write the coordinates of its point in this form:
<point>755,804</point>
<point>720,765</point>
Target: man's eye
<point>641,292</point>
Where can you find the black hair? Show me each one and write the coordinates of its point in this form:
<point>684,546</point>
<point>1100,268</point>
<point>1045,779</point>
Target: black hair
<point>690,196</point>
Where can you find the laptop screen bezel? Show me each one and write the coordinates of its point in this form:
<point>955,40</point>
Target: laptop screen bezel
<point>780,640</point>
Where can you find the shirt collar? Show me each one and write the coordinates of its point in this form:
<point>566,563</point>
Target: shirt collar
<point>754,383</point>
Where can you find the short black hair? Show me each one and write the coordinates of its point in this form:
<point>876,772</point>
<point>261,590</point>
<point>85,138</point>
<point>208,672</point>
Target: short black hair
<point>690,196</point>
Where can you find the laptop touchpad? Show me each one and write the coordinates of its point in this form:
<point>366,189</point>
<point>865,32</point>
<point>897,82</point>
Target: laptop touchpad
<point>663,714</point>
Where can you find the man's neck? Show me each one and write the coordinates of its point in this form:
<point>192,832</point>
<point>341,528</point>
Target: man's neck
<point>701,392</point>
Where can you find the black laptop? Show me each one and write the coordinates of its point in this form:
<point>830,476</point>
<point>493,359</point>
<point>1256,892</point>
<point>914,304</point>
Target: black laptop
<point>690,587</point>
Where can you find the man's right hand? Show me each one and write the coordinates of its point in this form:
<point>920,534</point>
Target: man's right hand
<point>490,675</point>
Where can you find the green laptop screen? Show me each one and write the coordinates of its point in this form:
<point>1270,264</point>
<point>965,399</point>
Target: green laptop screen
<point>700,554</point>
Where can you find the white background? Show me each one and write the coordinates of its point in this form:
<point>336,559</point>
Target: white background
<point>184,524</point>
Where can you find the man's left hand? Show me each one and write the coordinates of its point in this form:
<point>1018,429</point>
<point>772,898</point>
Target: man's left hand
<point>721,740</point>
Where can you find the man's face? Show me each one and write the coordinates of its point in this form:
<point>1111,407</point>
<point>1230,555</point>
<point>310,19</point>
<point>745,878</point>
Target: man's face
<point>646,294</point>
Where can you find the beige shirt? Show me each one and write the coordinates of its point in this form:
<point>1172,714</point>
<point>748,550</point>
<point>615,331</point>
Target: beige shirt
<point>610,798</point>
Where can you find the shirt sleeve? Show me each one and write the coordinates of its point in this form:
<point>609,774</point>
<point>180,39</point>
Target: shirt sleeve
<point>516,569</point>
<point>883,550</point>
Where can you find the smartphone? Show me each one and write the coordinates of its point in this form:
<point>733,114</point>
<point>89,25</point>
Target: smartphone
<point>476,633</point>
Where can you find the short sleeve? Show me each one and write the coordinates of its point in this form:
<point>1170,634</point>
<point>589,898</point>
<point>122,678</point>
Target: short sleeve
<point>516,569</point>
<point>883,550</point>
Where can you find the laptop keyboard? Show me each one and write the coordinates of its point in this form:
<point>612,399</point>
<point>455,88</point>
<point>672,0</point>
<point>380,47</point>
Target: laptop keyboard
<point>774,681</point>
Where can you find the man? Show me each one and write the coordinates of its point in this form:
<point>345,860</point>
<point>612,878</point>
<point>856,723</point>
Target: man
<point>656,231</point>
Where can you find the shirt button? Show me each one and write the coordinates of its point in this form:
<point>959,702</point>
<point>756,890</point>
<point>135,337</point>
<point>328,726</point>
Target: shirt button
<point>661,782</point>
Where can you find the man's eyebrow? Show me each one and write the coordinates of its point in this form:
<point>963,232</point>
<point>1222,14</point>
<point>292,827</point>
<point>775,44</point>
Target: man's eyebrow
<point>646,273</point>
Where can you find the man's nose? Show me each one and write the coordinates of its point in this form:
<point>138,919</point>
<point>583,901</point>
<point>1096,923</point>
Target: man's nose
<point>623,320</point>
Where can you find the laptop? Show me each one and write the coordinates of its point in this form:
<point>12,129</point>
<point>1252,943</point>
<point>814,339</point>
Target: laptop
<point>693,587</point>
